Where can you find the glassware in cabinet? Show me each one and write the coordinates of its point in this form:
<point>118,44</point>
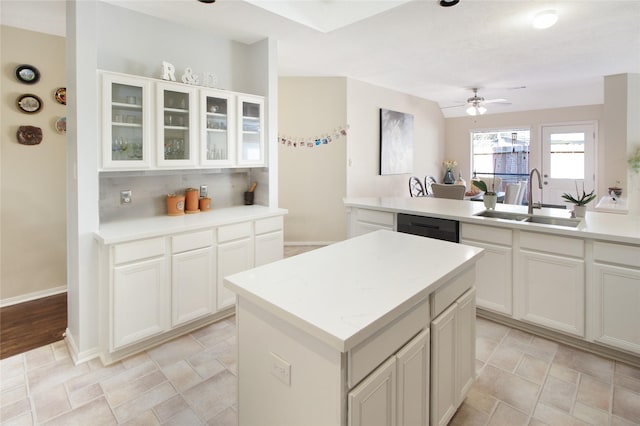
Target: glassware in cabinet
<point>217,128</point>
<point>126,119</point>
<point>176,124</point>
<point>250,130</point>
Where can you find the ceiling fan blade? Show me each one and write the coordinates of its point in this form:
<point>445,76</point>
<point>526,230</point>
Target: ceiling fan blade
<point>497,101</point>
<point>453,106</point>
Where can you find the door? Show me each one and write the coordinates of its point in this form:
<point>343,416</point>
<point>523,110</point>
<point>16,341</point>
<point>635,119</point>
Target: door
<point>233,257</point>
<point>373,402</point>
<point>413,382</point>
<point>444,346</point>
<point>192,285</point>
<point>568,158</point>
<point>176,121</point>
<point>217,138</point>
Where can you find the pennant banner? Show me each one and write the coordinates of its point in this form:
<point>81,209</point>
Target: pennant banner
<point>313,141</point>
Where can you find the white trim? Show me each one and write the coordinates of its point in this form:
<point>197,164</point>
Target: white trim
<point>77,357</point>
<point>32,296</point>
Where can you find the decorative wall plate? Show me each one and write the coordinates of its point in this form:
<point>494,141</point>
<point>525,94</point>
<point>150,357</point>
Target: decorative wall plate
<point>29,135</point>
<point>29,103</point>
<point>27,74</point>
<point>61,95</point>
<point>61,125</point>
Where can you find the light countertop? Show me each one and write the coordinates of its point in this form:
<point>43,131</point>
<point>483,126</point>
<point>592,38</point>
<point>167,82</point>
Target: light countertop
<point>596,225</point>
<point>127,230</point>
<point>344,292</point>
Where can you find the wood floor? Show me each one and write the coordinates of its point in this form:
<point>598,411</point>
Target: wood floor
<point>29,325</point>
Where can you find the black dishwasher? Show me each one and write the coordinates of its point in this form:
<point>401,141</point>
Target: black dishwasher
<point>431,227</point>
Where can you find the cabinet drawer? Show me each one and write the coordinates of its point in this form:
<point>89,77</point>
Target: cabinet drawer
<point>135,250</point>
<point>375,216</point>
<point>447,294</point>
<point>548,243</point>
<point>486,234</point>
<point>366,356</point>
<point>617,253</point>
<point>234,232</point>
<point>191,241</point>
<point>271,224</point>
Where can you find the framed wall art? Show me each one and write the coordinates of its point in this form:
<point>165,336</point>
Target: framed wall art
<point>396,142</point>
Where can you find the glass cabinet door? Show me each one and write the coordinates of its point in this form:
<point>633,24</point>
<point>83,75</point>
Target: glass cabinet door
<point>217,110</point>
<point>176,124</point>
<point>250,130</point>
<point>126,122</point>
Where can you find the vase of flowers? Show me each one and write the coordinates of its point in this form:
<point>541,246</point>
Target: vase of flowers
<point>579,201</point>
<point>449,165</point>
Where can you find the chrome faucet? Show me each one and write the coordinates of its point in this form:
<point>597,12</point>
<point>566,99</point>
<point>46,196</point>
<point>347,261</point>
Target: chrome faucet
<point>530,194</point>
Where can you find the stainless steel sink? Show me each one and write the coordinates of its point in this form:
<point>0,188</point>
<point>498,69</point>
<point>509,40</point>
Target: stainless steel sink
<point>522,217</point>
<point>558,221</point>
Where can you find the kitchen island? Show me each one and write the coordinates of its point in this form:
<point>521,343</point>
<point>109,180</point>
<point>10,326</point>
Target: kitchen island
<point>342,335</point>
<point>577,284</point>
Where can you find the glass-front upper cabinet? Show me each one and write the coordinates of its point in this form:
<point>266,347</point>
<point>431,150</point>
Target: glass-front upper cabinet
<point>217,138</point>
<point>250,130</point>
<point>126,122</point>
<point>176,124</point>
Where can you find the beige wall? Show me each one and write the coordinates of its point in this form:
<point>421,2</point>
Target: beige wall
<point>458,145</point>
<point>312,181</point>
<point>32,185</point>
<point>363,151</point>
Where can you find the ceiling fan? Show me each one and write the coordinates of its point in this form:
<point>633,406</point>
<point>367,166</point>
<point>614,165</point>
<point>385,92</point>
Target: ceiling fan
<point>476,104</point>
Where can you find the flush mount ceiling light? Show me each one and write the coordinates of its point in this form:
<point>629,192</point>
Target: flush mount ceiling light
<point>448,3</point>
<point>207,1</point>
<point>545,19</point>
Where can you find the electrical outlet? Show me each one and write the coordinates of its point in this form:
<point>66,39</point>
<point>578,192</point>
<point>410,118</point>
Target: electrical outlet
<point>203,191</point>
<point>126,196</point>
<point>281,369</point>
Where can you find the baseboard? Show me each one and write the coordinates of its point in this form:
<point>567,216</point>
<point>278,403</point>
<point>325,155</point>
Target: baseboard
<point>79,357</point>
<point>32,296</point>
<point>308,243</point>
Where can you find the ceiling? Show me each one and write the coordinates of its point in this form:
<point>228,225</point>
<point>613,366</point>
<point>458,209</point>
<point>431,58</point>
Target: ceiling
<point>416,46</point>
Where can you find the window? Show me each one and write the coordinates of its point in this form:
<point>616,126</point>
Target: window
<point>501,153</point>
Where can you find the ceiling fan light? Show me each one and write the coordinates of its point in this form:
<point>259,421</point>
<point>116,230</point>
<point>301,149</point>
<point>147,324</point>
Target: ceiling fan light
<point>481,110</point>
<point>472,110</point>
<point>545,19</point>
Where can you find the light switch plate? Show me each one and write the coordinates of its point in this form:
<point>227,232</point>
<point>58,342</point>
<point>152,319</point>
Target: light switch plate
<point>281,369</point>
<point>203,191</point>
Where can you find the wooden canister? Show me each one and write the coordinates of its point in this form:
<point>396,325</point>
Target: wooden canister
<point>205,204</point>
<point>175,205</point>
<point>192,200</point>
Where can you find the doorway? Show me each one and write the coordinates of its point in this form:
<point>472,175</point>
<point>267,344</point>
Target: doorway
<point>568,160</point>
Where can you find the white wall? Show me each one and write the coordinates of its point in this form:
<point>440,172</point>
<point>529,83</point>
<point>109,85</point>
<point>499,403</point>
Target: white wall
<point>32,178</point>
<point>363,151</point>
<point>312,181</point>
<point>458,144</point>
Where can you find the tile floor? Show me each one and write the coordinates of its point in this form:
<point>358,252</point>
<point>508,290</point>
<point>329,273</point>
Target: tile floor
<point>522,380</point>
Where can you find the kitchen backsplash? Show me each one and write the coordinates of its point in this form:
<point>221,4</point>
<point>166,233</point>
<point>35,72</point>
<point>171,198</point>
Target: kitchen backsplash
<point>149,190</point>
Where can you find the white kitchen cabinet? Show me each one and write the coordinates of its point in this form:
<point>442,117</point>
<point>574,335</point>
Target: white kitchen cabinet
<point>217,128</point>
<point>250,130</point>
<point>552,282</point>
<point>269,240</point>
<point>193,277</point>
<point>494,284</point>
<point>373,402</point>
<point>397,392</point>
<point>176,125</point>
<point>139,292</point>
<point>616,281</point>
<point>126,122</point>
<point>363,221</point>
<point>452,357</point>
<point>235,254</point>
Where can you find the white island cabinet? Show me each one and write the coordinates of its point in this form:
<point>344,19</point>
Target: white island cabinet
<point>341,335</point>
